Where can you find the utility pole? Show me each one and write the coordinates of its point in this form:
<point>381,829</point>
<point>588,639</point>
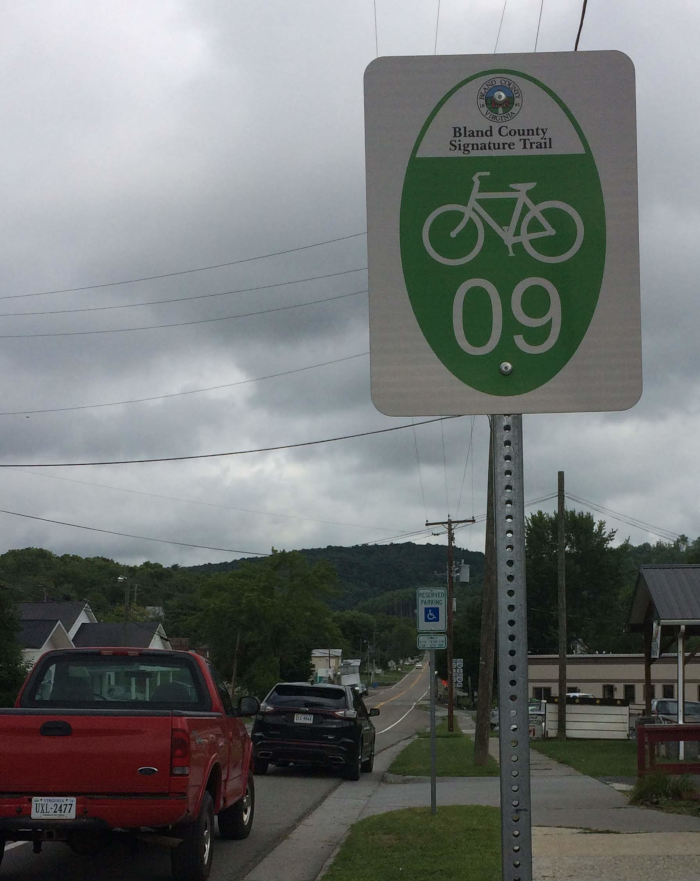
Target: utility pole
<point>125,581</point>
<point>489,610</point>
<point>450,524</point>
<point>561,594</point>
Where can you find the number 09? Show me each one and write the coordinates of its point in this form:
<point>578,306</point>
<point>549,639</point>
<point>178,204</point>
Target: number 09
<point>553,314</point>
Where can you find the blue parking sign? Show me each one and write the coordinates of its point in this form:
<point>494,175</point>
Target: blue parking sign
<point>431,614</point>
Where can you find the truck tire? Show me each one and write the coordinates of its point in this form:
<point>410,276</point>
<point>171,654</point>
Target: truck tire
<point>191,860</point>
<point>260,766</point>
<point>235,822</point>
<point>2,848</point>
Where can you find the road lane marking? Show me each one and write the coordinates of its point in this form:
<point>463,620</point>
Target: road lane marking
<point>404,715</point>
<point>400,694</point>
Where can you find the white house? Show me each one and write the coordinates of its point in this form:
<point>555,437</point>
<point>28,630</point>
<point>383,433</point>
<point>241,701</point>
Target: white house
<point>37,637</point>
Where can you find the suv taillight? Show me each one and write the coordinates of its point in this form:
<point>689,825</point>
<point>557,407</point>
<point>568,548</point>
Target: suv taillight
<point>179,754</point>
<point>346,714</point>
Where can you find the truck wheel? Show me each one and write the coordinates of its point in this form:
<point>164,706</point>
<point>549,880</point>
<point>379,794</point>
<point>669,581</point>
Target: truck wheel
<point>353,771</point>
<point>191,860</point>
<point>2,848</point>
<point>260,767</point>
<point>236,821</point>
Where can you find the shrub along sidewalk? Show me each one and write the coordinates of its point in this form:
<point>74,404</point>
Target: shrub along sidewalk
<point>455,756</point>
<point>460,843</point>
<point>597,758</point>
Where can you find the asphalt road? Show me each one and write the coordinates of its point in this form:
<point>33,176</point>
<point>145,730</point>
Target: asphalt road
<point>284,797</point>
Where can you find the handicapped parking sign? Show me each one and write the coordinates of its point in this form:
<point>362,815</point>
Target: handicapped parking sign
<point>431,609</point>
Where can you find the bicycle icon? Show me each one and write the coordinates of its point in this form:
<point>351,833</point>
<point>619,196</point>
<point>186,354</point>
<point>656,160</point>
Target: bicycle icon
<point>475,212</point>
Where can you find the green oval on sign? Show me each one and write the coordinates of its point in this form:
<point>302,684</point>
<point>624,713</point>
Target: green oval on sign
<point>502,232</point>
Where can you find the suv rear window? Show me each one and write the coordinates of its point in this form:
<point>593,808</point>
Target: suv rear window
<point>114,682</point>
<point>692,708</point>
<point>285,695</point>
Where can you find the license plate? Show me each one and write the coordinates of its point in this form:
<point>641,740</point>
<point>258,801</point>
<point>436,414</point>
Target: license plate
<point>304,718</point>
<point>54,807</point>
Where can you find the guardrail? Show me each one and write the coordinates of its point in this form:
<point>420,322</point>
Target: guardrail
<point>650,736</point>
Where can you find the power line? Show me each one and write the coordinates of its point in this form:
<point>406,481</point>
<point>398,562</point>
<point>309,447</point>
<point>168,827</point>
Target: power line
<point>437,26</point>
<point>466,462</point>
<point>376,34</point>
<point>196,391</point>
<point>129,535</point>
<point>539,22</point>
<point>498,35</point>
<point>24,336</point>
<point>110,284</point>
<point>626,518</point>
<point>580,27</point>
<point>444,462</point>
<point>420,476</point>
<point>264,287</point>
<point>139,492</point>
<point>314,443</point>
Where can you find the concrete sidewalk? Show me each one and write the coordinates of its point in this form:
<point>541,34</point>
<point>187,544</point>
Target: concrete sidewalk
<point>573,817</point>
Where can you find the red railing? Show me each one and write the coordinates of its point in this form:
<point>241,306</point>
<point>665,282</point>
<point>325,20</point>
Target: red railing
<point>648,738</point>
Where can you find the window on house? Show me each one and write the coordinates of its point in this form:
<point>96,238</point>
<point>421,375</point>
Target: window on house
<point>631,694</point>
<point>542,694</point>
<point>608,691</point>
<point>667,691</point>
<point>572,689</point>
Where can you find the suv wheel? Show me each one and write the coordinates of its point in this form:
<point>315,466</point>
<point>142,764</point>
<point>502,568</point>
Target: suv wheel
<point>260,767</point>
<point>368,764</point>
<point>191,860</point>
<point>353,771</point>
<point>236,821</point>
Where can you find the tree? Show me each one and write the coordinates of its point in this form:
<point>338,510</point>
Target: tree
<point>278,607</point>
<point>595,583</point>
<point>12,668</point>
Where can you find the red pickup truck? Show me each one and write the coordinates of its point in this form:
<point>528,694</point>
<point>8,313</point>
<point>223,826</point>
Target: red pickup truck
<point>135,740</point>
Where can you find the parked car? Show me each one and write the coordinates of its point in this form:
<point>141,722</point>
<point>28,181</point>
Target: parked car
<point>326,725</point>
<point>126,739</point>
<point>362,689</point>
<point>419,666</point>
<point>668,710</point>
<point>535,708</point>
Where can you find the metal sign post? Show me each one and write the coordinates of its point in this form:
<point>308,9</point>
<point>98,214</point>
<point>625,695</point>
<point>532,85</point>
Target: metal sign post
<point>514,737</point>
<point>433,738</point>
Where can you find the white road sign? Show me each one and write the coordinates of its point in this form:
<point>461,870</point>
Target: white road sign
<point>431,610</point>
<point>502,233</point>
<point>432,641</point>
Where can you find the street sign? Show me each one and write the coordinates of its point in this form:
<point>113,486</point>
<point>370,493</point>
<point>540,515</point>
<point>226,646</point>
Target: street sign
<point>457,663</point>
<point>432,641</point>
<point>431,609</point>
<point>502,233</point>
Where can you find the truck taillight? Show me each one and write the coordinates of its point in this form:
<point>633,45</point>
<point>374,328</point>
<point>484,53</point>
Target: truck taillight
<point>180,754</point>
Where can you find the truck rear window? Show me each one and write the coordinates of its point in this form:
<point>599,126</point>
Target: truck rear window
<point>117,682</point>
<point>306,696</point>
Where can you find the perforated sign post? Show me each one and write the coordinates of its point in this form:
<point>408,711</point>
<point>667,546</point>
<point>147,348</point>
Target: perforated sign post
<point>504,278</point>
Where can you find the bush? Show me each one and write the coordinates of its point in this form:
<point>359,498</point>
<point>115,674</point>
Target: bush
<point>654,787</point>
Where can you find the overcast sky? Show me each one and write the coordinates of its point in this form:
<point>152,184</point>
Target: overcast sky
<point>140,139</point>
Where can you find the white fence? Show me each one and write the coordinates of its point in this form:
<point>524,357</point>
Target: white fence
<point>590,720</point>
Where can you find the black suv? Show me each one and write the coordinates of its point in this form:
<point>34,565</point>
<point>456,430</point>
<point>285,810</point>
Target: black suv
<point>314,724</point>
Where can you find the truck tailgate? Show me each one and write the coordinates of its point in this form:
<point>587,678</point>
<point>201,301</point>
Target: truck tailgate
<point>80,752</point>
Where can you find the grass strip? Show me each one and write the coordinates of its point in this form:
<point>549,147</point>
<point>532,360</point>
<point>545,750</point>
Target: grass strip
<point>460,843</point>
<point>597,758</point>
<point>455,756</point>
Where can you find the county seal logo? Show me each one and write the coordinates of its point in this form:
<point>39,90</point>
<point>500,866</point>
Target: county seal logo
<point>500,99</point>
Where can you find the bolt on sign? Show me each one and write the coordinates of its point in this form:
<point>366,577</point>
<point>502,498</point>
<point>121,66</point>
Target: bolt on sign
<point>502,233</point>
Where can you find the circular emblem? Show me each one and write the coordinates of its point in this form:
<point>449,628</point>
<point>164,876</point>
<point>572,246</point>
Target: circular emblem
<point>500,99</point>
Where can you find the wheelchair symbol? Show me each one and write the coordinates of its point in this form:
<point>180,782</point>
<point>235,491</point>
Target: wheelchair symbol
<point>432,613</point>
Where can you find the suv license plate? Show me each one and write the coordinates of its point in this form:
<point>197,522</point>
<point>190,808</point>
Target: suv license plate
<point>54,807</point>
<point>304,718</point>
